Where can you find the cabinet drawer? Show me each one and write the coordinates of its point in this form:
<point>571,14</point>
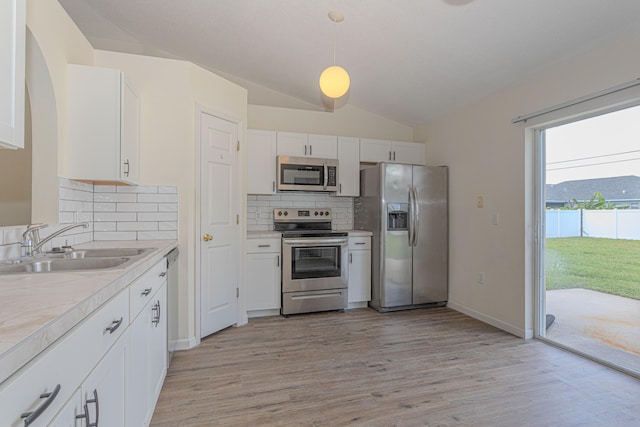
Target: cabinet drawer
<point>64,364</point>
<point>359,243</point>
<point>263,245</point>
<point>144,288</point>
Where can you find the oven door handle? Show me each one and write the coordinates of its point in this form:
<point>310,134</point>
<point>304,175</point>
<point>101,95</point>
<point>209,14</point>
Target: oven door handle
<point>315,242</point>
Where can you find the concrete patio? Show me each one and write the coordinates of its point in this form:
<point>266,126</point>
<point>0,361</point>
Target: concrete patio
<point>602,325</point>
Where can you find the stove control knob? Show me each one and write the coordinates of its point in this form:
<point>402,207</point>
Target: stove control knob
<point>316,213</point>
<point>286,213</point>
<point>280,213</point>
<point>321,213</point>
<point>327,213</point>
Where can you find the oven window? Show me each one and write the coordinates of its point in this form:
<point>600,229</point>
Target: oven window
<point>311,262</point>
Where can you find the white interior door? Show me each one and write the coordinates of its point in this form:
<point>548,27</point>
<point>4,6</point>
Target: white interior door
<point>219,228</point>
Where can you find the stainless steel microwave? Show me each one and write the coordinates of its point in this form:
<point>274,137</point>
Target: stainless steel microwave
<point>307,174</point>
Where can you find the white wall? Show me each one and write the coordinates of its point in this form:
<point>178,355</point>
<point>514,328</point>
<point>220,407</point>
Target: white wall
<point>345,121</point>
<point>488,156</point>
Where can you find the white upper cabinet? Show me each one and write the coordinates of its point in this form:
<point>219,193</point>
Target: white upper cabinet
<point>12,63</point>
<point>348,166</point>
<point>261,162</point>
<point>103,125</point>
<point>376,151</point>
<point>303,145</point>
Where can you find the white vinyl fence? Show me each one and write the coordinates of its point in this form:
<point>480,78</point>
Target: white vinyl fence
<point>609,224</point>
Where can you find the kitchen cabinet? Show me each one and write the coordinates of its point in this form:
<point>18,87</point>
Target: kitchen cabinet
<point>359,269</point>
<point>263,276</point>
<point>12,70</point>
<point>103,125</point>
<point>45,384</point>
<point>303,145</point>
<point>148,343</point>
<point>261,162</point>
<point>348,166</point>
<point>376,151</point>
<point>114,360</point>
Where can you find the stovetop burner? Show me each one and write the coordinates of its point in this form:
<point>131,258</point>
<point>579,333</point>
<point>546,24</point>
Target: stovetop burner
<point>304,222</point>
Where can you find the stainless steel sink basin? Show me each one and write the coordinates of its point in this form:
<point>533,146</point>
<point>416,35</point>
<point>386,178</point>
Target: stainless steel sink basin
<point>44,265</point>
<point>103,253</point>
<point>77,260</point>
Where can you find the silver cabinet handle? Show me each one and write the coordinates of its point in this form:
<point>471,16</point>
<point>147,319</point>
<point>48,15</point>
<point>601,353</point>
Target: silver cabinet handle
<point>394,156</point>
<point>126,163</point>
<point>305,150</point>
<point>389,155</point>
<point>164,273</point>
<point>114,325</point>
<point>360,243</point>
<point>86,410</point>
<point>273,186</point>
<point>340,188</point>
<point>30,417</point>
<point>264,246</point>
<point>311,150</point>
<point>278,261</point>
<point>350,258</point>
<point>146,292</point>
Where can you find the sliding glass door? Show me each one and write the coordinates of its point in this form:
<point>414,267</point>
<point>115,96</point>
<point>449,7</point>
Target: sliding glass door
<point>589,244</point>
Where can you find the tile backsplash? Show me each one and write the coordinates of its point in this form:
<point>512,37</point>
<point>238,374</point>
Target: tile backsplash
<point>114,212</point>
<point>260,208</point>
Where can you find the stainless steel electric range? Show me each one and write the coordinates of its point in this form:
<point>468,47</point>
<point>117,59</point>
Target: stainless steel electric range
<point>314,261</point>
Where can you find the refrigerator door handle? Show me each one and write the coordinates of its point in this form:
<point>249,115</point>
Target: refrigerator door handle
<point>416,216</point>
<point>410,224</point>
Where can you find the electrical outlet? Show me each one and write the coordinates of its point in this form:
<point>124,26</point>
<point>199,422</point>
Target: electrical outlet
<point>481,278</point>
<point>480,202</point>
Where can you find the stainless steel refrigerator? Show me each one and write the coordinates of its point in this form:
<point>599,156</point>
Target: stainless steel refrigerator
<point>406,208</point>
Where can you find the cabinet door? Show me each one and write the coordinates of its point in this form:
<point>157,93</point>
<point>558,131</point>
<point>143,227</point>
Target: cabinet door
<point>323,146</point>
<point>261,162</point>
<point>375,150</point>
<point>348,166</point>
<point>292,144</point>
<point>157,346</point>
<point>359,276</point>
<point>263,279</point>
<point>104,391</point>
<point>130,142</point>
<point>12,65</point>
<point>138,410</point>
<point>411,153</point>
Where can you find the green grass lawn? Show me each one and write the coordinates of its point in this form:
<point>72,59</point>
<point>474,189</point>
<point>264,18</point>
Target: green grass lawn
<point>605,265</point>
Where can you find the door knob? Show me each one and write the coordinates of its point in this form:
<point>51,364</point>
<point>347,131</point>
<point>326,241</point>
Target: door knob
<point>207,237</point>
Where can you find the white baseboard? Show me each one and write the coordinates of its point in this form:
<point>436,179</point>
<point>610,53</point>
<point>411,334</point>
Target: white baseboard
<point>360,304</point>
<point>263,313</point>
<point>507,327</point>
<point>184,344</point>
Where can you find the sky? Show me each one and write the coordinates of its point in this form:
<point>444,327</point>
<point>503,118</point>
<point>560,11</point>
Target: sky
<point>599,147</point>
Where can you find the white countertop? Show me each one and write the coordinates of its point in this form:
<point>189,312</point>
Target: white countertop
<point>38,308</point>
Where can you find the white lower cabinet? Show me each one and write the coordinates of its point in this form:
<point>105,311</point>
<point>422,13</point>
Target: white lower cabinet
<point>359,269</point>
<point>91,376</point>
<point>263,274</point>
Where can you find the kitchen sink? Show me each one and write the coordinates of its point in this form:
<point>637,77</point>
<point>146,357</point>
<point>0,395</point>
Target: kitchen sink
<point>99,253</point>
<point>76,260</point>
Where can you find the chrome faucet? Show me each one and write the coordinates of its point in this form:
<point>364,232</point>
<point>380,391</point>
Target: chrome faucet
<point>34,244</point>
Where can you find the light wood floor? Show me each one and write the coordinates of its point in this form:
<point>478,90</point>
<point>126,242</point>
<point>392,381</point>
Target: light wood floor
<point>431,367</point>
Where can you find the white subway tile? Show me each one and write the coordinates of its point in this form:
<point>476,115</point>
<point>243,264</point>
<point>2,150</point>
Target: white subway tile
<point>168,189</point>
<point>82,196</point>
<point>104,207</point>
<point>114,197</point>
<point>167,207</point>
<point>159,198</point>
<point>104,188</point>
<point>136,189</point>
<point>137,207</point>
<point>157,216</point>
<point>114,235</point>
<point>70,206</point>
<point>104,226</point>
<point>137,226</point>
<point>157,235</point>
<point>167,225</point>
<point>66,217</point>
<point>114,216</point>
<point>65,193</point>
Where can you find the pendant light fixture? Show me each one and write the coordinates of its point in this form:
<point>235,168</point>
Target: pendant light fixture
<point>334,80</point>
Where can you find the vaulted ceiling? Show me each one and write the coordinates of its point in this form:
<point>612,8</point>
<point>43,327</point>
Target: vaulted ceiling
<point>409,60</point>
